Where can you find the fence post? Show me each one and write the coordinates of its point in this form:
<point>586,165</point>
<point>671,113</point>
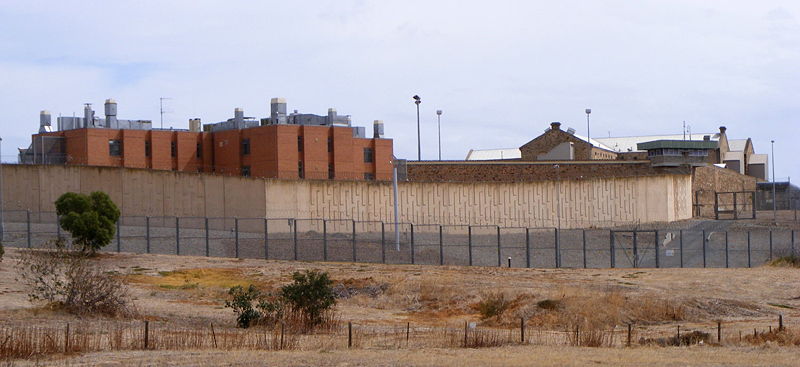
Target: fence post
<point>119,227</point>
<point>349,334</point>
<point>58,229</point>
<point>499,256</point>
<point>236,234</point>
<point>584,248</point>
<point>355,259</point>
<point>147,234</point>
<point>704,248</point>
<point>324,240</point>
<point>28,231</point>
<point>205,226</point>
<point>780,322</point>
<point>412,244</point>
<point>177,235</point>
<point>658,262</point>
<point>146,333</point>
<point>527,248</point>
<point>680,243</point>
<point>294,237</point>
<point>613,260</point>
<point>266,239</point>
<point>719,331</point>
<point>749,264</point>
<point>629,335</point>
<point>793,242</point>
<point>521,329</point>
<point>770,244</point>
<point>557,250</point>
<point>66,339</point>
<point>635,250</point>
<point>213,335</point>
<point>441,246</point>
<point>726,250</point>
<point>469,248</point>
<point>383,243</point>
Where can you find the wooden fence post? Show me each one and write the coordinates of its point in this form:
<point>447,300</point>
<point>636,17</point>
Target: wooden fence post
<point>146,333</point>
<point>282,326</point>
<point>522,330</point>
<point>719,331</point>
<point>408,332</point>
<point>349,334</point>
<point>213,335</point>
<point>465,334</point>
<point>629,335</point>
<point>66,340</point>
<point>780,322</point>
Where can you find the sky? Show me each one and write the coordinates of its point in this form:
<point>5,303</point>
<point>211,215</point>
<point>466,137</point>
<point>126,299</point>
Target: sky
<point>501,71</point>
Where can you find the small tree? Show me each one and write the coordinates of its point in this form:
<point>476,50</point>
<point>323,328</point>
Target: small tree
<point>89,219</point>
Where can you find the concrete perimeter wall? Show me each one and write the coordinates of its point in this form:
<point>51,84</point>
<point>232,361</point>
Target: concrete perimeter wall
<point>140,192</point>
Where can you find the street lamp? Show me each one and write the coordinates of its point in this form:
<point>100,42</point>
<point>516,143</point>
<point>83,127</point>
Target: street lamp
<point>439,124</point>
<point>588,111</point>
<point>417,101</point>
<point>774,201</point>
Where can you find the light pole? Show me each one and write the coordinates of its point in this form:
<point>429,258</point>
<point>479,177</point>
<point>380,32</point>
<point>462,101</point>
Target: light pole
<point>588,111</point>
<point>558,195</point>
<point>774,199</point>
<point>439,125</point>
<point>417,101</point>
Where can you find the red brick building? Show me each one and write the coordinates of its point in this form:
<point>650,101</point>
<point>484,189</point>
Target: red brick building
<point>269,150</point>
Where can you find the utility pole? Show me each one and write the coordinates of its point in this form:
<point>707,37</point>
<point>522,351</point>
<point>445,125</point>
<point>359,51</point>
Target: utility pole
<point>161,109</point>
<point>774,199</point>
<point>2,227</point>
<point>439,124</point>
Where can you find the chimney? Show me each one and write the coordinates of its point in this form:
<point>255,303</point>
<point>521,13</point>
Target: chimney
<point>722,130</point>
<point>555,125</point>
<point>111,113</point>
<point>238,117</point>
<point>194,125</point>
<point>377,129</point>
<point>331,115</point>
<point>277,108</point>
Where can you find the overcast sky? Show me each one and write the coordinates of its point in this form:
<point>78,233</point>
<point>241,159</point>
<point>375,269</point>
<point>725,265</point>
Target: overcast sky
<point>500,70</point>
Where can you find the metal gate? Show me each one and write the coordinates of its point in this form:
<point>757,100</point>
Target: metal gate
<point>634,249</point>
<point>735,205</point>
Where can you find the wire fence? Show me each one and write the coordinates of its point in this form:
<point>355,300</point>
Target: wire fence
<point>314,239</point>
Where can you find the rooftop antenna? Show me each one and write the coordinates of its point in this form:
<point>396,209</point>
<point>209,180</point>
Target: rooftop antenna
<point>161,109</point>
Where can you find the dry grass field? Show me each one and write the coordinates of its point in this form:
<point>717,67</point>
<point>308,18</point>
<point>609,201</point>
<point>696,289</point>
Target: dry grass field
<point>174,292</point>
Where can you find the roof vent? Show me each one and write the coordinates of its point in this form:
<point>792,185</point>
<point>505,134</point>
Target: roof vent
<point>571,131</point>
<point>707,137</point>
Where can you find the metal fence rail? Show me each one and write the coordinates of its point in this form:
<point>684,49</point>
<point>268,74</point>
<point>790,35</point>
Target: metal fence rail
<point>315,239</point>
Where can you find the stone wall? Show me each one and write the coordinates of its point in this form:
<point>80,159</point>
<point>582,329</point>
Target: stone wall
<point>141,192</point>
<point>707,181</point>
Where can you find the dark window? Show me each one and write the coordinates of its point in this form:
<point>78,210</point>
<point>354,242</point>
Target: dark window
<point>368,155</point>
<point>299,143</point>
<point>115,148</point>
<point>330,171</point>
<point>369,176</point>
<point>147,148</point>
<point>300,169</point>
<point>173,149</point>
<point>330,145</point>
<point>245,146</point>
<point>199,153</point>
<point>246,171</point>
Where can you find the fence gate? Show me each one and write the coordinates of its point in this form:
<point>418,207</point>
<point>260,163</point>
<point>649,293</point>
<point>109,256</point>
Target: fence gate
<point>735,205</point>
<point>634,249</point>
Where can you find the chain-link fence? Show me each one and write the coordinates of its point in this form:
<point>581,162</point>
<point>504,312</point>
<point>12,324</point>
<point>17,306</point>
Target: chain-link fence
<point>314,239</point>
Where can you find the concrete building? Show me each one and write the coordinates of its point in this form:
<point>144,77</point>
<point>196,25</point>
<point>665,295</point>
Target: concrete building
<point>280,146</point>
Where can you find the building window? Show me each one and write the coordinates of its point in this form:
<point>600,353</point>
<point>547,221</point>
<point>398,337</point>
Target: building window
<point>199,152</point>
<point>368,155</point>
<point>300,169</point>
<point>245,171</point>
<point>698,153</point>
<point>369,176</point>
<point>245,146</point>
<point>299,143</point>
<point>173,149</point>
<point>330,145</point>
<point>147,148</point>
<point>330,171</point>
<point>115,148</point>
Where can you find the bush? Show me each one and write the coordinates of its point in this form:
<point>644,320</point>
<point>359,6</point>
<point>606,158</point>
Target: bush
<point>311,295</point>
<point>549,304</point>
<point>493,305</point>
<point>67,280</point>
<point>791,260</point>
<point>89,219</point>
<point>304,304</point>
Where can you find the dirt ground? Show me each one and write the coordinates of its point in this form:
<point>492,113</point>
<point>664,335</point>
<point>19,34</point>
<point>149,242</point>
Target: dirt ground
<point>190,291</point>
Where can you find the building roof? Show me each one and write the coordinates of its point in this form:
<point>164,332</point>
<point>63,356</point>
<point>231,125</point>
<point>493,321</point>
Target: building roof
<point>737,145</point>
<point>493,154</point>
<point>629,143</point>
<point>594,142</point>
<point>678,144</point>
<point>758,159</point>
<point>733,156</point>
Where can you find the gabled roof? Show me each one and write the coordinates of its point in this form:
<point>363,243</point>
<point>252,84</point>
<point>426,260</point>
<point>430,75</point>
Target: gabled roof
<point>493,154</point>
<point>737,145</point>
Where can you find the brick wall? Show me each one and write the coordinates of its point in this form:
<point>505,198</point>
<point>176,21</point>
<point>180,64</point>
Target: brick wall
<point>499,171</point>
<point>707,181</point>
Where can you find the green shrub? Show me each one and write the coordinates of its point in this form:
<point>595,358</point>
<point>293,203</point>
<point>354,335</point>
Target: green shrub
<point>549,304</point>
<point>493,305</point>
<point>242,304</point>
<point>89,219</point>
<point>304,304</point>
<point>791,260</point>
<point>311,294</point>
